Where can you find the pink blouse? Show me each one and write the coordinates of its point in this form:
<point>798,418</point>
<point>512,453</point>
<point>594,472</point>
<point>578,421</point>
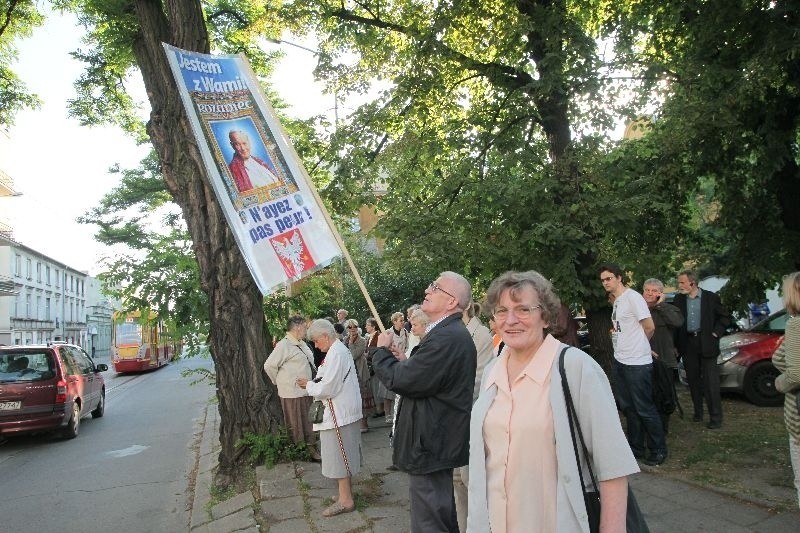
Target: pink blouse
<point>519,440</point>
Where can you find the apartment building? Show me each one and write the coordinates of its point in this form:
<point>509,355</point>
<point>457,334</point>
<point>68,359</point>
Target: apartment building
<point>48,300</point>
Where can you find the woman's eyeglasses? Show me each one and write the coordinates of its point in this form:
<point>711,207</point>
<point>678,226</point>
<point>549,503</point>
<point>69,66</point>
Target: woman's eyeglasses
<point>523,312</point>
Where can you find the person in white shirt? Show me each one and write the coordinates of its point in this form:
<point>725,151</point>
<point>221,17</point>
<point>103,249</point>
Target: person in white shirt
<point>632,367</point>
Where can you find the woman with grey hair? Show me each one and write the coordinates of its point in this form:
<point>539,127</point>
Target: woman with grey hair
<point>521,457</point>
<point>291,359</point>
<point>336,385</point>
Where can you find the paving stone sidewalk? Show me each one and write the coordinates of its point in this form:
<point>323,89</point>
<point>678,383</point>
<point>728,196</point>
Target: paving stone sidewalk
<point>290,498</point>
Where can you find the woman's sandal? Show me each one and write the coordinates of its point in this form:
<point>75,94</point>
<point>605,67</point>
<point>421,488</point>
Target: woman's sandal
<point>336,509</point>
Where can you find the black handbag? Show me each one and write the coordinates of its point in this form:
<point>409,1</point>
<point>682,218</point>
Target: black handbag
<point>634,519</point>
<point>316,411</point>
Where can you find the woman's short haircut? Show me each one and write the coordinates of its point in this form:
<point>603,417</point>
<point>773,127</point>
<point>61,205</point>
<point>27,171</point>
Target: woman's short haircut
<point>294,321</point>
<point>321,328</point>
<point>338,328</point>
<point>515,281</point>
<point>396,315</point>
<point>791,293</point>
<point>351,323</point>
<point>372,322</point>
<point>420,316</point>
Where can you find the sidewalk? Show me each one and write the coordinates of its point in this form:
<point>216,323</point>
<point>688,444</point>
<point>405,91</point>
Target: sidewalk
<point>290,498</point>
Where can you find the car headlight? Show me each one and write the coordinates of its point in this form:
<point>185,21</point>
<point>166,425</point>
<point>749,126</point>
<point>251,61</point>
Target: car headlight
<point>726,355</point>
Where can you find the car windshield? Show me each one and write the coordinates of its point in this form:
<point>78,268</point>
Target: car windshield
<point>774,323</point>
<point>26,365</point>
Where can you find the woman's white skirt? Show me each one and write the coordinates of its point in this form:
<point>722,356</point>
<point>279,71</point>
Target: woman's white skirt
<point>332,461</point>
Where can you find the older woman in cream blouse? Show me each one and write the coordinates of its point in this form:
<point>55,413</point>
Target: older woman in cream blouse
<point>523,474</point>
<point>291,359</point>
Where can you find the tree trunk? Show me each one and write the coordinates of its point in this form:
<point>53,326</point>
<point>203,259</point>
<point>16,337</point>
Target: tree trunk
<point>238,337</point>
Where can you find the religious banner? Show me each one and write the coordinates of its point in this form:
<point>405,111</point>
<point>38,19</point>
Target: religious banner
<point>269,202</point>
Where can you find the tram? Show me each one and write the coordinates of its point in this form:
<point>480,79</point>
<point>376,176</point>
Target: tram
<point>139,343</point>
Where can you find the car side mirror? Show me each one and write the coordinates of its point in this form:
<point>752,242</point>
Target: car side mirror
<point>100,368</point>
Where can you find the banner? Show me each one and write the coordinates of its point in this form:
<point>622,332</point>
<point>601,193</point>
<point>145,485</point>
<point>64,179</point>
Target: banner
<point>263,190</point>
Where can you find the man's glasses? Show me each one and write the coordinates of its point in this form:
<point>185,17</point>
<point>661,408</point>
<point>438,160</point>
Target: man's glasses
<point>523,312</point>
<point>608,278</point>
<point>434,287</point>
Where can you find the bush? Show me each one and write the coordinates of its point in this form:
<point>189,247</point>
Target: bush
<point>270,449</point>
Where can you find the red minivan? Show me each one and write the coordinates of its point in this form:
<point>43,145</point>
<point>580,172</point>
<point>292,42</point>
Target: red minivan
<point>48,388</point>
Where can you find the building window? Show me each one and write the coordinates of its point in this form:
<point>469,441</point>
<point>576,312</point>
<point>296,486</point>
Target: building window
<point>27,306</point>
<point>28,269</point>
<point>38,271</point>
<point>18,265</point>
<point>47,274</point>
<point>47,309</point>
<point>38,311</point>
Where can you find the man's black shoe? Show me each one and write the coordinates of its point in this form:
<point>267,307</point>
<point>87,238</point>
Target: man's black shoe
<point>656,459</point>
<point>714,425</point>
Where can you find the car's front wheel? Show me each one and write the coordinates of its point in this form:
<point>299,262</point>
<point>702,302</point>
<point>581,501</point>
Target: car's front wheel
<point>759,385</point>
<point>101,406</point>
<point>74,424</point>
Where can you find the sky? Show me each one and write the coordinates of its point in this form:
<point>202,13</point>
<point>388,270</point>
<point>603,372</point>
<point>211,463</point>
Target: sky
<point>61,168</point>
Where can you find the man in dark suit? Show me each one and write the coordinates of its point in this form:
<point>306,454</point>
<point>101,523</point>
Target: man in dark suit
<point>698,344</point>
<point>436,385</point>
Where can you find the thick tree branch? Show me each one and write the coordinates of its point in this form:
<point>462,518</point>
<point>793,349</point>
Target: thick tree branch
<point>497,73</point>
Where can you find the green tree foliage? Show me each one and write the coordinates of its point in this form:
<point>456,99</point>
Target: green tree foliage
<point>725,140</point>
<point>17,19</point>
<point>393,284</point>
<point>155,268</point>
<point>485,136</point>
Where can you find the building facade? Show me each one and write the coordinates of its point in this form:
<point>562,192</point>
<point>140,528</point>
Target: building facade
<point>48,301</point>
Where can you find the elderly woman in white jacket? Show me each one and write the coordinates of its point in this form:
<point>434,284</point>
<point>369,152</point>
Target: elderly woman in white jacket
<point>336,385</point>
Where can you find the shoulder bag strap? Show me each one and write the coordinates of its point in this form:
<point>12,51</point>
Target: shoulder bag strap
<point>310,364</point>
<point>574,425</point>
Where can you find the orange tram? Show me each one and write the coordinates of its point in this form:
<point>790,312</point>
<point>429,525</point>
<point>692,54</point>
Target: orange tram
<point>139,343</point>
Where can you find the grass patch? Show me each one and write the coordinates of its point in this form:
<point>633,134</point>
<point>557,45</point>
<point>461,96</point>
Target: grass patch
<point>219,495</point>
<point>748,456</point>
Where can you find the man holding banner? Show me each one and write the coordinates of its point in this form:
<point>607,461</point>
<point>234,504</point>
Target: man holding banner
<point>432,424</point>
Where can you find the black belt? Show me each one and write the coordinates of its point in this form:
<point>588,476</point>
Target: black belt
<point>694,333</point>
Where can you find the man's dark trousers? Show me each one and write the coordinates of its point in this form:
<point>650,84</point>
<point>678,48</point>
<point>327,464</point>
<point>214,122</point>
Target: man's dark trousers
<point>702,373</point>
<point>433,506</point>
<point>633,385</point>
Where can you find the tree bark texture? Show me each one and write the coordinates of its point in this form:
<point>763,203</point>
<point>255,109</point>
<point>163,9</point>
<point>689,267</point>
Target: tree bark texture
<point>238,337</point>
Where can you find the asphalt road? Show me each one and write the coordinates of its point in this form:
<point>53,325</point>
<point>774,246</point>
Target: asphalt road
<point>125,472</point>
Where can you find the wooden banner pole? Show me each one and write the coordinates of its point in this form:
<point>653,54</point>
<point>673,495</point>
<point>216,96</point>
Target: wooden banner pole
<point>321,205</point>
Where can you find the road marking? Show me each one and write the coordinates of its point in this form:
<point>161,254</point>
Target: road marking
<point>130,450</point>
